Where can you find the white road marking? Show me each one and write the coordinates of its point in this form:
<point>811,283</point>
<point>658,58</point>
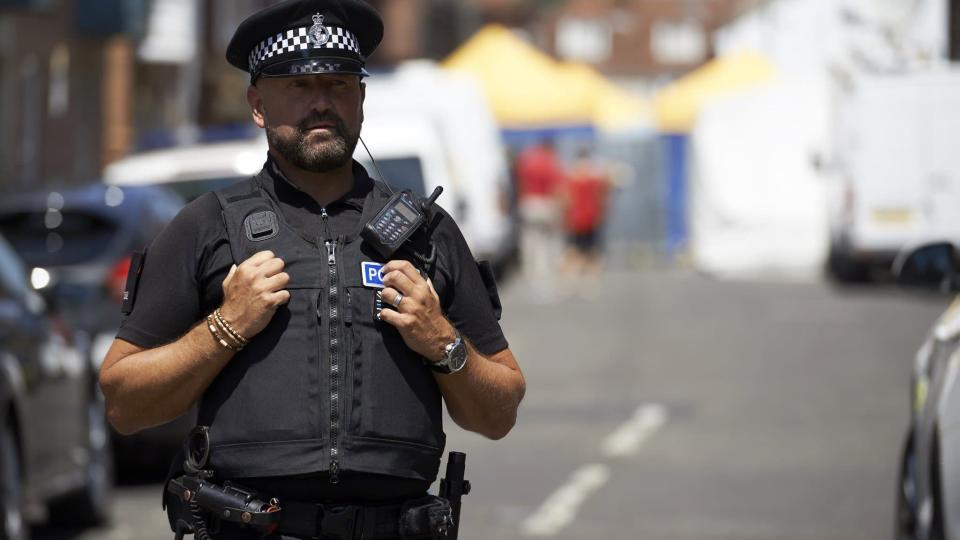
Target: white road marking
<point>561,506</point>
<point>628,438</point>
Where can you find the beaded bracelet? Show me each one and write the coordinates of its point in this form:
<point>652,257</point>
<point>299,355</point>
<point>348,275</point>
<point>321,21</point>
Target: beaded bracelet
<point>212,326</point>
<point>240,340</point>
<point>226,334</point>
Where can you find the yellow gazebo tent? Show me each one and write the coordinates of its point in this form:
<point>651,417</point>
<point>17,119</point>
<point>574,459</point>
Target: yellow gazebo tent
<point>528,89</point>
<point>676,106</point>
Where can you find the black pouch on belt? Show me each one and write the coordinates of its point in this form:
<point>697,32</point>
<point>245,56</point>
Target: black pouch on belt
<point>430,517</point>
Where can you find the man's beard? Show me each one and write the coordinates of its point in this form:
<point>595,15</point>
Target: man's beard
<point>319,157</point>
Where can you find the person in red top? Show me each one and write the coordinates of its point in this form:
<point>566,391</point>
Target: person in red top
<point>585,196</point>
<point>540,181</point>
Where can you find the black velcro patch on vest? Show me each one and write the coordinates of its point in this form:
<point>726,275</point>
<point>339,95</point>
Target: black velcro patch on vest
<point>261,226</point>
<point>133,280</point>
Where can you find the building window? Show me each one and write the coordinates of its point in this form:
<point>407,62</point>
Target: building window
<point>678,43</point>
<point>587,40</point>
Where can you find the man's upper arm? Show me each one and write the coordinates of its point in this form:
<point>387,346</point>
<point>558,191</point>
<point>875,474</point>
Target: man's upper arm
<point>167,301</point>
<point>471,310</point>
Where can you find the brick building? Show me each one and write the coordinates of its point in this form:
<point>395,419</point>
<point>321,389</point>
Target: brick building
<point>622,38</point>
<point>64,88</point>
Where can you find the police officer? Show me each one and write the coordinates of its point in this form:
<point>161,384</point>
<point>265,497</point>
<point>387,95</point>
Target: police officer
<point>318,365</point>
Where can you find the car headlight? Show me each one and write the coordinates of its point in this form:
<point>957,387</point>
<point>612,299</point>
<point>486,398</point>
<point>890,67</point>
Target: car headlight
<point>920,389</point>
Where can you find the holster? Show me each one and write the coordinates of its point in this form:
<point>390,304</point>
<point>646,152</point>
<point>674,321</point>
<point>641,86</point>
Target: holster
<point>427,518</point>
<point>229,502</point>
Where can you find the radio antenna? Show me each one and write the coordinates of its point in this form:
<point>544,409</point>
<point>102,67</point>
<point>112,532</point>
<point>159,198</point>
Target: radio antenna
<point>375,166</point>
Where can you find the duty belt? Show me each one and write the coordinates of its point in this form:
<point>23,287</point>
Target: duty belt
<point>429,517</point>
<point>425,518</point>
<point>198,498</point>
<point>341,522</point>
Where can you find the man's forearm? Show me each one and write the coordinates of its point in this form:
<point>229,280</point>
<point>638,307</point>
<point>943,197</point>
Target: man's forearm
<point>484,396</point>
<point>148,387</point>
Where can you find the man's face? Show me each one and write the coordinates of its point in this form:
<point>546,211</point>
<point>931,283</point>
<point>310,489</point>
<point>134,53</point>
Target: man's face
<point>313,121</point>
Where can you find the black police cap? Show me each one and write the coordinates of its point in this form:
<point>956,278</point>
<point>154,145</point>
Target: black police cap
<point>297,37</point>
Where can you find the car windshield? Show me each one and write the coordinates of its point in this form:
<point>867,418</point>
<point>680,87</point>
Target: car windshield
<point>402,173</point>
<point>54,238</point>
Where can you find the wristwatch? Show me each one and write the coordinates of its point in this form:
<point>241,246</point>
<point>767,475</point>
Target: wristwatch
<point>454,357</point>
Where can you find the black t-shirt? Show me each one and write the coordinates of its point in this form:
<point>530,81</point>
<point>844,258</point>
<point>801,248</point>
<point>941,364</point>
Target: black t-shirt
<point>183,272</point>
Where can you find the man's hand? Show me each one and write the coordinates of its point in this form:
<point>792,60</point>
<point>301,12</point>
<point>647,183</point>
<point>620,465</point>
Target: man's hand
<point>484,395</point>
<point>253,291</point>
<point>418,317</point>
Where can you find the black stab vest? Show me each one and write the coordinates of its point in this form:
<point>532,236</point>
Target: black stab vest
<point>324,387</point>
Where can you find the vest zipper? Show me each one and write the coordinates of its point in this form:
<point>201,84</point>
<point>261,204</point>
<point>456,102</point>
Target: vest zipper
<point>333,301</point>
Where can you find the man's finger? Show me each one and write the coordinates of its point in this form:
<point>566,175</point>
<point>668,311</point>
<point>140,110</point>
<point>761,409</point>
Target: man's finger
<point>433,291</point>
<point>391,317</point>
<point>277,281</point>
<point>258,258</point>
<point>403,266</point>
<point>399,281</point>
<point>280,297</point>
<point>271,267</point>
<point>230,274</point>
<point>388,296</point>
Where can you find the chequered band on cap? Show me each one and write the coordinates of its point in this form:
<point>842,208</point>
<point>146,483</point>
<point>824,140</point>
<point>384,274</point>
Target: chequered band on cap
<point>298,39</point>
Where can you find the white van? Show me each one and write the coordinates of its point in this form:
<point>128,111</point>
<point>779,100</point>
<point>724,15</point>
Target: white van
<point>407,152</point>
<point>470,141</point>
<point>898,167</point>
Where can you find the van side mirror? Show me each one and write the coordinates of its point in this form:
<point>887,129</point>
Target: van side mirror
<point>930,266</point>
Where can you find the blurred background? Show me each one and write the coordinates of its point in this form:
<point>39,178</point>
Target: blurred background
<point>724,232</point>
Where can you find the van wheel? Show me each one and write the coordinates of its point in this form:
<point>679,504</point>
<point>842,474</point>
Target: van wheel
<point>90,506</point>
<point>11,485</point>
<point>845,270</point>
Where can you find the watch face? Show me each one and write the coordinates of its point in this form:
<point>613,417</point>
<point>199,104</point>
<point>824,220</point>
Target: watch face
<point>454,360</point>
<point>458,356</point>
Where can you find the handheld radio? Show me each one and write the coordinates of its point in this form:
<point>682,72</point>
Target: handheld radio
<point>397,221</point>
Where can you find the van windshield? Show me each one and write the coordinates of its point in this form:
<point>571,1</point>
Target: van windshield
<point>401,173</point>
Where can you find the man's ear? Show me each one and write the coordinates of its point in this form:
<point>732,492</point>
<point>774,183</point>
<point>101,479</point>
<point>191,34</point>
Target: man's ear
<point>255,100</point>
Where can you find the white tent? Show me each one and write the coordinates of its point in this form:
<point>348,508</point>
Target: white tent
<point>757,204</point>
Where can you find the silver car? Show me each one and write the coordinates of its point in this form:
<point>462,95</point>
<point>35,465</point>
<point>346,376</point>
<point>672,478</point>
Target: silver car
<point>928,496</point>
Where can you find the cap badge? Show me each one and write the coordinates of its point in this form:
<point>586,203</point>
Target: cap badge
<point>318,32</point>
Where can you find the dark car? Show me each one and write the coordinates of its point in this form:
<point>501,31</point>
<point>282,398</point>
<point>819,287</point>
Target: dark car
<point>78,243</point>
<point>54,448</point>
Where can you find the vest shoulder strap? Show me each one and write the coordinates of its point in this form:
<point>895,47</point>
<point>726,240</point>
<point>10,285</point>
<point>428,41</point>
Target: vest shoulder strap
<point>237,192</point>
<point>382,190</point>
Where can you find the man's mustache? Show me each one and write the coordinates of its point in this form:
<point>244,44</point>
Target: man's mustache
<point>322,118</point>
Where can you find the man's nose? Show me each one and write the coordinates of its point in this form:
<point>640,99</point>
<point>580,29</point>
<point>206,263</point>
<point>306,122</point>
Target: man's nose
<point>320,99</point>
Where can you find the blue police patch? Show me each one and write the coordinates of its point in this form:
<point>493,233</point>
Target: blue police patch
<point>371,274</point>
